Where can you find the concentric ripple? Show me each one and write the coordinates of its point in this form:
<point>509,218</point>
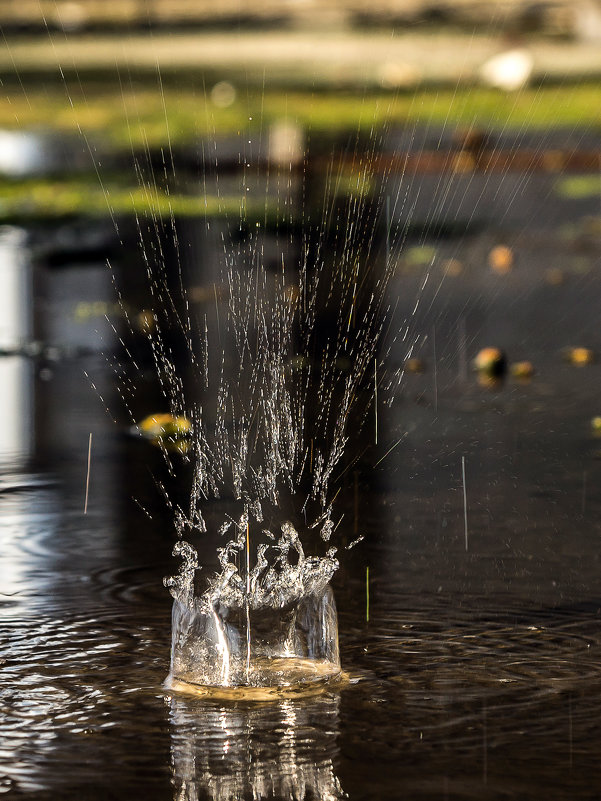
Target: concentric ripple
<point>554,649</point>
<point>506,694</point>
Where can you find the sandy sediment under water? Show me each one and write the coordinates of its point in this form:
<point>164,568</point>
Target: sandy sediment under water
<point>275,679</point>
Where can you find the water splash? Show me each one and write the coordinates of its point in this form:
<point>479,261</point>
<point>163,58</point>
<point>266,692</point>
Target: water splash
<point>270,585</point>
<point>280,429</point>
<point>274,626</point>
<point>281,377</point>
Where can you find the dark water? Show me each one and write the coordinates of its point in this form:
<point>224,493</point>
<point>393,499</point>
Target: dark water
<point>478,673</point>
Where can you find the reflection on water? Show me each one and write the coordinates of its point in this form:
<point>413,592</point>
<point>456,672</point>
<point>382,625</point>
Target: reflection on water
<point>16,308</point>
<point>284,750</point>
<point>16,399</point>
<point>16,374</point>
<point>29,521</point>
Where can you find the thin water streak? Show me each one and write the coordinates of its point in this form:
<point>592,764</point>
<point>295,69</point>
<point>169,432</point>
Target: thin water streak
<point>464,501</point>
<point>85,506</point>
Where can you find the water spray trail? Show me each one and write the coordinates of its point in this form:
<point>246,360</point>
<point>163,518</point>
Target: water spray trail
<point>376,398</point>
<point>435,369</point>
<point>247,602</point>
<point>356,502</point>
<point>85,506</point>
<point>392,447</point>
<point>387,230</point>
<point>295,349</point>
<point>464,500</point>
<point>462,351</point>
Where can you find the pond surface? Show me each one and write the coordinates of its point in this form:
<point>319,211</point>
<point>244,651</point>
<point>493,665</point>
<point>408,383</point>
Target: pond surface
<point>475,671</point>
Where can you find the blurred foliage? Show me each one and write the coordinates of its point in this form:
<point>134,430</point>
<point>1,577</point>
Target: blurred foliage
<point>579,187</point>
<point>146,117</point>
<point>34,198</point>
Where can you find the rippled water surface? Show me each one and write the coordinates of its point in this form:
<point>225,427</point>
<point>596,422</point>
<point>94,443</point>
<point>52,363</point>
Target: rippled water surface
<point>477,675</point>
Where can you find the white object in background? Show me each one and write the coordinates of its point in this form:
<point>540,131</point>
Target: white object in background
<point>510,70</point>
<point>286,143</point>
<point>22,153</point>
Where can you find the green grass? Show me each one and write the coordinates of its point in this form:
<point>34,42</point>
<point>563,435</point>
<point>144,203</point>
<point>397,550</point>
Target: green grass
<point>579,187</point>
<point>142,117</point>
<point>42,198</point>
<point>101,119</point>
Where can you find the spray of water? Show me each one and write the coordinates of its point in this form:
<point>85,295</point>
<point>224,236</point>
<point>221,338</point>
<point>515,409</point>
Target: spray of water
<point>271,429</point>
<point>291,365</point>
